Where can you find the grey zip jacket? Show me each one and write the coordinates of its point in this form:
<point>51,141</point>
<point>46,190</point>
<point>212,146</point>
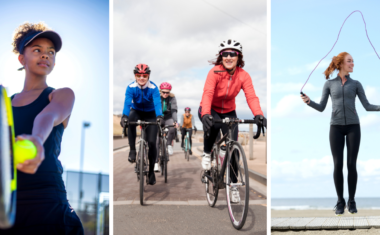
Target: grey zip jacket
<point>343,100</point>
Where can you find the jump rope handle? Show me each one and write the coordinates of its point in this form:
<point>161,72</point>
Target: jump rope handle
<point>302,93</point>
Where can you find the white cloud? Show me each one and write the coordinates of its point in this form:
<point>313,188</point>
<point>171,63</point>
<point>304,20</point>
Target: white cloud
<point>320,168</point>
<point>292,87</point>
<point>308,67</point>
<point>292,106</point>
<point>305,169</point>
<point>179,38</point>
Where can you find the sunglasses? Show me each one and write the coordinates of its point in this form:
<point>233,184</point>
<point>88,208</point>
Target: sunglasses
<point>163,92</point>
<point>231,53</point>
<point>142,75</point>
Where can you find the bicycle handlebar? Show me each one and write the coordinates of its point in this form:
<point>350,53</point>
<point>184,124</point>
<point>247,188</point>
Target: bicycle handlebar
<point>243,121</point>
<point>142,123</point>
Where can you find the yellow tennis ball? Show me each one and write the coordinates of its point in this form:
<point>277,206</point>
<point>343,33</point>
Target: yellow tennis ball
<point>24,150</point>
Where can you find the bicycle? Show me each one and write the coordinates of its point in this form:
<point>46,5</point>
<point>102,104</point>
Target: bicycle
<point>142,160</point>
<point>187,145</point>
<point>227,174</point>
<point>163,150</point>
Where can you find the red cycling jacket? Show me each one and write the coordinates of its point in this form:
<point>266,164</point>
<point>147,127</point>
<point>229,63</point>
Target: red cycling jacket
<point>221,88</point>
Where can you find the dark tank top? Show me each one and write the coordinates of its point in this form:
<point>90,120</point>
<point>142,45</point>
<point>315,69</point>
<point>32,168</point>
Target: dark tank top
<point>46,185</point>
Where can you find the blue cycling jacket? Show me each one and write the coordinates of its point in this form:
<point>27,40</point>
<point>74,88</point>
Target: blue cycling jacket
<point>146,98</point>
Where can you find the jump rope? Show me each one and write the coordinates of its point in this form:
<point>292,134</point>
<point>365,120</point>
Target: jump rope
<point>365,26</point>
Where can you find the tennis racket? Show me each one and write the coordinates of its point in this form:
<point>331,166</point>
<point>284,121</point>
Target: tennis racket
<point>8,171</point>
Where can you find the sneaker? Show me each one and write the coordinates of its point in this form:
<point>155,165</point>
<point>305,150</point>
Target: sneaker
<point>234,195</point>
<point>339,208</point>
<point>156,167</point>
<point>191,152</point>
<point>351,204</point>
<point>151,179</point>
<point>170,150</point>
<point>206,161</point>
<point>132,156</point>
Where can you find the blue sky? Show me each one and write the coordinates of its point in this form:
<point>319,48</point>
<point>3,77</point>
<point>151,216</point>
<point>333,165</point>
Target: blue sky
<point>82,64</point>
<point>302,33</point>
<point>179,38</point>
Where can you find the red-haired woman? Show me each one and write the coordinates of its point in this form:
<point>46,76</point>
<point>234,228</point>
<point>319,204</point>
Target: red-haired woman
<point>344,123</point>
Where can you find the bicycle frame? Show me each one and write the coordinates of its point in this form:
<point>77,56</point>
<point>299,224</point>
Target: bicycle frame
<point>187,141</point>
<point>220,181</point>
<point>142,144</point>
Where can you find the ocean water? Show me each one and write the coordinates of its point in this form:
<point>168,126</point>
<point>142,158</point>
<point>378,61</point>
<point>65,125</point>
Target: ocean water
<point>320,203</point>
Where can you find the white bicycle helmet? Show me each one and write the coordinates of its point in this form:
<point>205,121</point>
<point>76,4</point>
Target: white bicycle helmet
<point>230,44</point>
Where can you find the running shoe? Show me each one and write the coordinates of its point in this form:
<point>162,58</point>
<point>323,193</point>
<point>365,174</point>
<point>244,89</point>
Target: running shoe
<point>351,204</point>
<point>191,152</point>
<point>234,195</point>
<point>206,161</point>
<point>170,149</point>
<point>156,167</point>
<point>132,156</point>
<point>339,208</point>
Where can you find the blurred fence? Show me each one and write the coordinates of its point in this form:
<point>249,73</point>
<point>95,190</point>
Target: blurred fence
<point>90,201</point>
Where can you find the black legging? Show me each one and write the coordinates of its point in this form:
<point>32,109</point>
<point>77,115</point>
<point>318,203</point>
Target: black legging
<point>215,130</point>
<point>337,141</point>
<point>150,136</point>
<point>183,133</point>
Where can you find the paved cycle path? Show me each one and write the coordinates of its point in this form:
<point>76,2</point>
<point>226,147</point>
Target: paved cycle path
<point>179,206</point>
<point>184,181</point>
<point>178,220</point>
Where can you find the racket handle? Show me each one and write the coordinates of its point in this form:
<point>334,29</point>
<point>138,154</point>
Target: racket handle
<point>24,150</point>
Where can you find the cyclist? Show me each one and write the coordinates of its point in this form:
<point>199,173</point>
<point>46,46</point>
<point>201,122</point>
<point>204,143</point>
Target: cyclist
<point>142,102</point>
<point>188,122</point>
<point>344,125</point>
<point>41,113</point>
<point>169,109</point>
<point>223,83</point>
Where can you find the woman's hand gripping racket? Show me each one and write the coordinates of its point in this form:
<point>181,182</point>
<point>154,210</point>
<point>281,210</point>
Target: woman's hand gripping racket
<point>11,154</point>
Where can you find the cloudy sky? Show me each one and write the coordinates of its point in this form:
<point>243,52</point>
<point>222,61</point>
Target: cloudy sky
<point>177,38</point>
<point>302,34</point>
<point>82,65</point>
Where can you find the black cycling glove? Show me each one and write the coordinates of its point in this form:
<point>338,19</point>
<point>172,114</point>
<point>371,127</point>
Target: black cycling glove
<point>261,119</point>
<point>160,120</point>
<point>124,120</point>
<point>207,122</point>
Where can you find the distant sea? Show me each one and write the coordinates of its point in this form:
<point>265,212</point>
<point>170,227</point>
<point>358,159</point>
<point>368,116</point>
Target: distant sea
<point>320,203</point>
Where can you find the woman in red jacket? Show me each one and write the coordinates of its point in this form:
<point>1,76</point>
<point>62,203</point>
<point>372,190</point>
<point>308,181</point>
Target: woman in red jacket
<point>223,84</point>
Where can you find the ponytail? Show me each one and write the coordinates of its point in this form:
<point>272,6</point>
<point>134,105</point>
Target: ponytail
<point>335,64</point>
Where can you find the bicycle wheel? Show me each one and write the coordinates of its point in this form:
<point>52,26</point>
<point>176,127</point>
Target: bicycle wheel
<point>212,188</point>
<point>142,155</point>
<point>165,157</point>
<point>161,154</point>
<point>7,168</point>
<point>237,186</point>
<point>188,150</point>
<point>185,146</point>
